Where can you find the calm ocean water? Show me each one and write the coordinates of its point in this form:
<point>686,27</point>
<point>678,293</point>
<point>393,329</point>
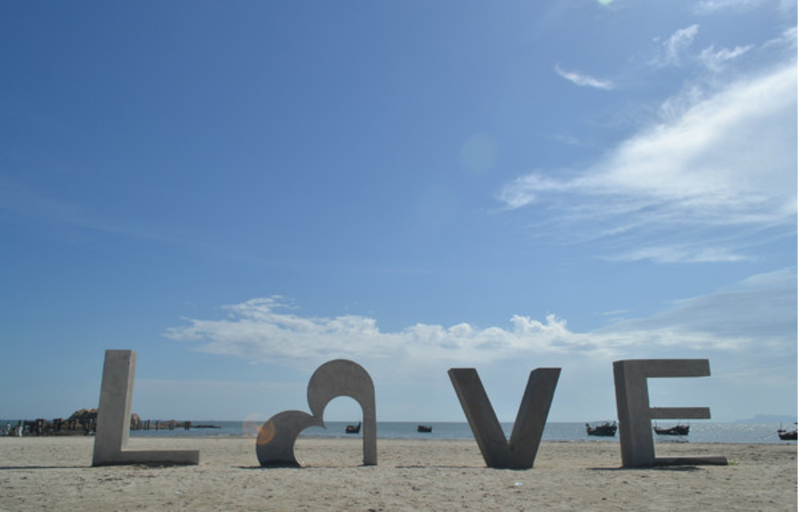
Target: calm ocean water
<point>701,432</point>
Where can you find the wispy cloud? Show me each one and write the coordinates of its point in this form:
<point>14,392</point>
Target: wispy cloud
<point>686,253</point>
<point>671,51</point>
<point>584,80</point>
<point>758,312</point>
<point>706,7</point>
<point>755,314</point>
<point>719,170</point>
<point>787,41</point>
<point>716,59</point>
<point>22,201</point>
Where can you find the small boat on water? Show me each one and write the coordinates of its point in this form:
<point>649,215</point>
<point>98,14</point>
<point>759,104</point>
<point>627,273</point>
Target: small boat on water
<point>786,435</point>
<point>605,429</point>
<point>353,429</point>
<point>676,430</point>
<point>424,428</point>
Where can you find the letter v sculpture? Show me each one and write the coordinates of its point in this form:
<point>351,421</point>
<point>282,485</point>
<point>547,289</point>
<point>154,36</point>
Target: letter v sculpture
<point>525,438</point>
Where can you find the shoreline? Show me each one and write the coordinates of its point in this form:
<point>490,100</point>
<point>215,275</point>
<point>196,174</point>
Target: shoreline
<point>49,473</point>
<point>701,432</point>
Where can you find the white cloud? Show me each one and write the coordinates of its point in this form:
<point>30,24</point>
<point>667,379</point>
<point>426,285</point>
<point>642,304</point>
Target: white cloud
<point>260,329</point>
<point>716,59</point>
<point>711,6</point>
<point>717,171</point>
<point>755,313</point>
<point>787,40</point>
<point>584,80</point>
<point>747,330</point>
<point>682,254</point>
<point>672,50</point>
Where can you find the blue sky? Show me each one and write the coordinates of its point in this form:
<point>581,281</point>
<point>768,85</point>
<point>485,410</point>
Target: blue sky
<point>242,192</point>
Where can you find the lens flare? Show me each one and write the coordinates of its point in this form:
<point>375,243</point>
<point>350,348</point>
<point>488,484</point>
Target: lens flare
<point>266,434</point>
<point>251,425</point>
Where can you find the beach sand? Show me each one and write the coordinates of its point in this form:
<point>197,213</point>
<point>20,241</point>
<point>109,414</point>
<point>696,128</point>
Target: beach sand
<point>49,473</point>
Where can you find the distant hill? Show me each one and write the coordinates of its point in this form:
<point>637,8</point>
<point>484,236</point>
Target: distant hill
<point>768,418</point>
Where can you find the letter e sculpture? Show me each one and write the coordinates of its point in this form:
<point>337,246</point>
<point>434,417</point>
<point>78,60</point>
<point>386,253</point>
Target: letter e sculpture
<point>275,443</point>
<point>525,438</point>
<point>635,415</point>
<point>113,418</point>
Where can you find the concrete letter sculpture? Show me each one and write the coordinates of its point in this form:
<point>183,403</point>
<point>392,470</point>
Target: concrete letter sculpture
<point>497,452</point>
<point>113,418</point>
<point>635,415</point>
<point>275,444</point>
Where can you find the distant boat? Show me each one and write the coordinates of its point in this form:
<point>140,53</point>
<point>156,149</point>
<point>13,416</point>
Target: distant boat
<point>677,430</point>
<point>786,435</point>
<point>353,429</point>
<point>424,428</point>
<point>606,429</point>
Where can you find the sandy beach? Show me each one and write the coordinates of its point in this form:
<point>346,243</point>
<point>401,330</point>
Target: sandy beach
<point>55,474</point>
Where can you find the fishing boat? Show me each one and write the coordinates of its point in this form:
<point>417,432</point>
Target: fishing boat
<point>604,429</point>
<point>424,428</point>
<point>353,429</point>
<point>786,435</point>
<point>676,430</point>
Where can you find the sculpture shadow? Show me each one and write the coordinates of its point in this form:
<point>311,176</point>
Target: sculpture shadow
<point>683,469</point>
<point>304,466</point>
<point>273,466</point>
<point>23,468</point>
<point>460,466</point>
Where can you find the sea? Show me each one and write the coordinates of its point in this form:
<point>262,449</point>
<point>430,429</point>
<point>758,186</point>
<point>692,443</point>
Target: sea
<point>700,432</point>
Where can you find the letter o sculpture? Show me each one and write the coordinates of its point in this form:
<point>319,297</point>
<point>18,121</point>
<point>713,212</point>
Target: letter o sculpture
<point>276,438</point>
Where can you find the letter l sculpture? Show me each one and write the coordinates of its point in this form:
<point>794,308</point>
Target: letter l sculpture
<point>113,418</point>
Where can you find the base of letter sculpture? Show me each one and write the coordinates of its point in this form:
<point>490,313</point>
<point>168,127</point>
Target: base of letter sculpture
<point>635,415</point>
<point>113,418</point>
<point>497,452</point>
<point>275,444</point>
